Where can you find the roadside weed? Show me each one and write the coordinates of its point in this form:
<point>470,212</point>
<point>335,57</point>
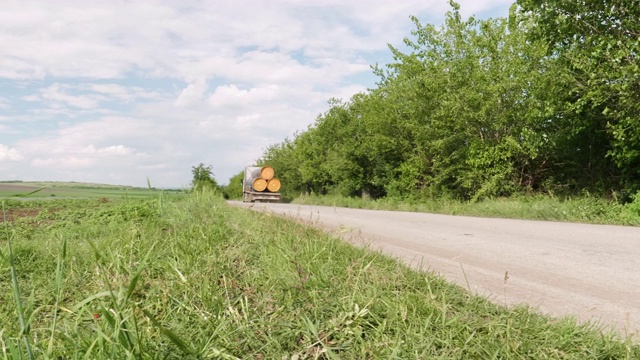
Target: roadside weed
<point>585,208</point>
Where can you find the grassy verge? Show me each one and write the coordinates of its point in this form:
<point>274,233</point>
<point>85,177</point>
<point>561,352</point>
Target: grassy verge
<point>195,278</point>
<point>585,209</point>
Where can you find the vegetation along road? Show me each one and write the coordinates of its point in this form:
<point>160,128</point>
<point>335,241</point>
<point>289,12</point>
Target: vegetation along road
<point>564,269</point>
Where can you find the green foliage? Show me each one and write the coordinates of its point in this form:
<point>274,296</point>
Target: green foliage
<point>545,100</point>
<point>584,208</point>
<point>458,115</point>
<point>596,44</point>
<point>234,189</point>
<point>203,178</point>
<point>631,210</point>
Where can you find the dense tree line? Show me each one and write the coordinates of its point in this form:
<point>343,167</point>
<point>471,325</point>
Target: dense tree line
<point>547,99</point>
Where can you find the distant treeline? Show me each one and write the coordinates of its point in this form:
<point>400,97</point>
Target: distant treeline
<point>545,100</point>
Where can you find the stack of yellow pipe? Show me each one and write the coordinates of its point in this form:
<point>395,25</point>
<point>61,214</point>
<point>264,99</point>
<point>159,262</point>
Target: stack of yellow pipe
<point>266,181</point>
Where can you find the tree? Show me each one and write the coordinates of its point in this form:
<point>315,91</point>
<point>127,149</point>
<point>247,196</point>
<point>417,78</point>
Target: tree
<point>234,189</point>
<point>467,96</point>
<point>547,99</point>
<point>597,42</point>
<point>203,177</point>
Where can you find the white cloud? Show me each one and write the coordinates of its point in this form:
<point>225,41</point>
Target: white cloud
<point>345,93</point>
<point>231,95</point>
<point>112,90</point>
<point>108,150</point>
<point>192,94</point>
<point>64,163</point>
<point>110,39</point>
<point>9,154</point>
<point>88,96</point>
<point>56,94</point>
<point>81,158</point>
<point>122,93</point>
<point>248,121</point>
<point>116,150</point>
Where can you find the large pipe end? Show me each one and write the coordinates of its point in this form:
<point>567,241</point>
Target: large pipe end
<point>259,184</point>
<point>273,185</point>
<point>267,172</point>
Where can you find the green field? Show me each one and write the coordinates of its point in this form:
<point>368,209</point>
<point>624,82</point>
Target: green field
<point>194,278</point>
<point>73,190</point>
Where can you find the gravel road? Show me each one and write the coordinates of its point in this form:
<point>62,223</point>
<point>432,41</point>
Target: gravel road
<point>587,271</point>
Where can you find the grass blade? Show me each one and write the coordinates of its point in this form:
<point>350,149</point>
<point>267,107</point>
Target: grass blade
<point>181,344</point>
<point>24,329</point>
<point>58,293</point>
<point>89,299</point>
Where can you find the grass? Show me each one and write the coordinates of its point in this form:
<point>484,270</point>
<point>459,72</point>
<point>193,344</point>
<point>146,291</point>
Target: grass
<point>584,209</point>
<point>38,190</point>
<point>195,278</point>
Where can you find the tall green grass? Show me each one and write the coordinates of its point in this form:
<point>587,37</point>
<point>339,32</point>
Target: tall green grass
<point>195,278</point>
<point>584,208</point>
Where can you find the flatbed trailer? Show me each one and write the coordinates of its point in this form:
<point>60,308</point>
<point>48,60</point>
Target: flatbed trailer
<point>253,196</point>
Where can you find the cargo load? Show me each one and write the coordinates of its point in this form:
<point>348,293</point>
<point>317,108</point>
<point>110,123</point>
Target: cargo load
<point>260,184</point>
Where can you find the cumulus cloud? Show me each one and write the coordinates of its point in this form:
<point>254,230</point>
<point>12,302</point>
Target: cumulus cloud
<point>56,94</point>
<point>248,121</point>
<point>9,154</point>
<point>80,158</point>
<point>346,92</point>
<point>108,150</point>
<point>232,95</point>
<point>119,92</point>
<point>108,39</point>
<point>192,94</point>
<point>64,163</point>
<point>87,96</point>
<point>116,150</point>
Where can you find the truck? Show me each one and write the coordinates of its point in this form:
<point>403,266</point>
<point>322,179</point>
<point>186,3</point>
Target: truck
<point>259,184</point>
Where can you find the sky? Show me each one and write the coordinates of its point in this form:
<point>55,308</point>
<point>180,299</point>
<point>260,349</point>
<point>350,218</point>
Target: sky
<point>118,92</point>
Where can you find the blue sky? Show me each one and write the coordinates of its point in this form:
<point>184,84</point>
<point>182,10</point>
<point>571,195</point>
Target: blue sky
<point>117,92</point>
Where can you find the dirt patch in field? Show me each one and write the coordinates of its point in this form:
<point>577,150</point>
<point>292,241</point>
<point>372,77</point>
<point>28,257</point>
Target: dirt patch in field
<point>12,214</point>
<point>18,189</point>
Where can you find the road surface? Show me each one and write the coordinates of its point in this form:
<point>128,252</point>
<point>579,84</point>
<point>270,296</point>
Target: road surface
<point>591,272</point>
